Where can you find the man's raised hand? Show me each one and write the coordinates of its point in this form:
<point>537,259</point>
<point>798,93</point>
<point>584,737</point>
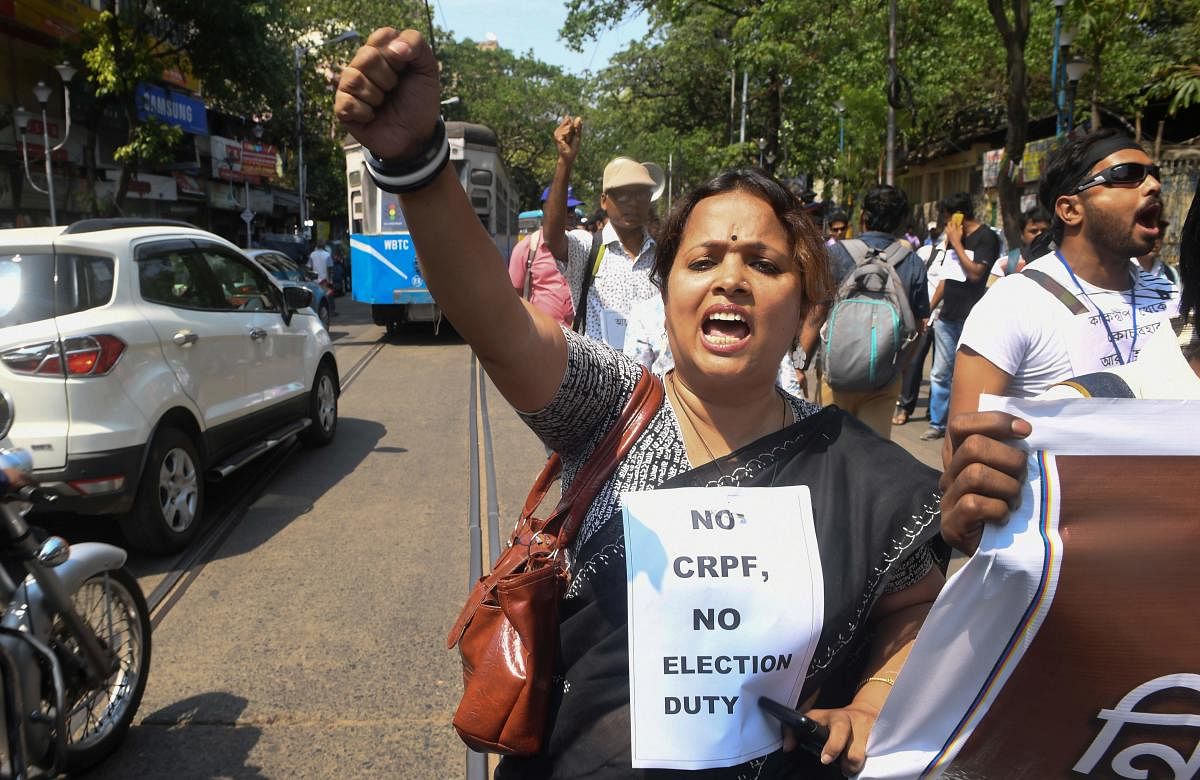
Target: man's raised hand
<point>387,97</point>
<point>567,137</point>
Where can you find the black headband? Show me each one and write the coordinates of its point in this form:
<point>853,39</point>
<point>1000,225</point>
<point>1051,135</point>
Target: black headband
<point>1073,177</point>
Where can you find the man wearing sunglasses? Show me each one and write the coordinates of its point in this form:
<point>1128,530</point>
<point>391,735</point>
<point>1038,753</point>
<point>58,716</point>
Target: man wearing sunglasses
<point>1082,306</point>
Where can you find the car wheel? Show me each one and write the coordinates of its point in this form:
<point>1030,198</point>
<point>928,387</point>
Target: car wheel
<point>322,408</point>
<point>323,313</point>
<point>166,513</point>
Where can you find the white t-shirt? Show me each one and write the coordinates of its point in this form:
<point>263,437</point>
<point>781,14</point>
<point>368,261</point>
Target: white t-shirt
<point>319,261</point>
<point>1029,334</point>
<point>1161,372</point>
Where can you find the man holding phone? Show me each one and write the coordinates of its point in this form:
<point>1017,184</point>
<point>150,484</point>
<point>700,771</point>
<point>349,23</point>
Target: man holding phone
<point>972,250</point>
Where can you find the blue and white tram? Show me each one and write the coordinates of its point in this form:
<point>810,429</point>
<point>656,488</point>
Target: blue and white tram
<point>384,268</point>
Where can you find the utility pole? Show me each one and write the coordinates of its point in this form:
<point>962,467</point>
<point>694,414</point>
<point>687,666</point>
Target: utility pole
<point>893,77</point>
<point>732,100</point>
<point>429,21</point>
<point>745,91</point>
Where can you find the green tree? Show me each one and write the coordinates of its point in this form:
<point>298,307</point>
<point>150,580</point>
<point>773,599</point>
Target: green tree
<point>309,22</point>
<point>518,97</point>
<point>233,47</point>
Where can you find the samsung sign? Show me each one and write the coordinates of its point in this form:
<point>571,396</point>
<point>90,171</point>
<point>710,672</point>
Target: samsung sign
<point>173,108</point>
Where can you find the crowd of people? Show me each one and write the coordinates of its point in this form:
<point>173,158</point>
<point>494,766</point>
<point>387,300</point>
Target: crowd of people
<point>729,303</point>
<point>941,280</point>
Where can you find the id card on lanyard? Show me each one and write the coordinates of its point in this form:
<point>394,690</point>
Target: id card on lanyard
<point>1106,329</point>
<point>726,602</point>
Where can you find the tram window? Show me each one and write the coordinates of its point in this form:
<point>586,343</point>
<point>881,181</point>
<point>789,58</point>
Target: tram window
<point>355,178</point>
<point>480,199</point>
<point>483,217</point>
<point>481,177</point>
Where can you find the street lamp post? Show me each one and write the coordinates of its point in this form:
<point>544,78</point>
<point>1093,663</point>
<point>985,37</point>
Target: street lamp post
<point>247,214</point>
<point>42,93</point>
<point>301,174</point>
<point>1075,70</point>
<point>1059,119</point>
<point>21,118</point>
<point>762,147</point>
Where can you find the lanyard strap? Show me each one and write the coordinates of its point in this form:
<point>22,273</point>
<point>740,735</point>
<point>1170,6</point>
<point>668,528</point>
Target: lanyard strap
<point>1100,314</point>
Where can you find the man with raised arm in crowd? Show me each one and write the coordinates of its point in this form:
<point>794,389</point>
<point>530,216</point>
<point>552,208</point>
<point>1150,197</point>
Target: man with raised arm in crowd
<point>607,272</point>
<point>1085,307</point>
<point>971,250</point>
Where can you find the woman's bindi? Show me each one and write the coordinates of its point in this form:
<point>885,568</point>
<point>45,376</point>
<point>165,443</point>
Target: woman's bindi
<point>733,238</point>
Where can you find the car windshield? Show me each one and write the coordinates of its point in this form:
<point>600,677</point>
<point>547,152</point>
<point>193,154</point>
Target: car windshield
<point>26,288</point>
<point>282,268</point>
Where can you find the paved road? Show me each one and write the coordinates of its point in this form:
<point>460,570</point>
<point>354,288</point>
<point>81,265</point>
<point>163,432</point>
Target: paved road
<point>311,644</point>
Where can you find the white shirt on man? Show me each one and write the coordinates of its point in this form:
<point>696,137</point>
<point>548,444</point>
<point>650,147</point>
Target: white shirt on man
<point>621,281</point>
<point>319,261</point>
<point>1025,331</point>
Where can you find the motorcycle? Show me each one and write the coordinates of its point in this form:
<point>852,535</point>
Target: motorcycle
<point>74,638</point>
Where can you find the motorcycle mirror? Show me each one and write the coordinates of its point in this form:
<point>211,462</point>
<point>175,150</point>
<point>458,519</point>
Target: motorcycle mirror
<point>7,413</point>
<point>54,551</point>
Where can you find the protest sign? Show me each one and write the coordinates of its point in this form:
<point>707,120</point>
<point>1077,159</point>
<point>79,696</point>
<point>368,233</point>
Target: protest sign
<point>1066,646</point>
<point>726,603</point>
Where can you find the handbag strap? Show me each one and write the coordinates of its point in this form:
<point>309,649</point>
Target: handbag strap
<point>532,240</point>
<point>564,522</point>
<point>595,257</point>
<point>568,515</point>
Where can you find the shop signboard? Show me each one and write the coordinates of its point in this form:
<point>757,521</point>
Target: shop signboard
<point>188,185</point>
<point>238,160</point>
<point>143,186</point>
<point>1036,155</point>
<point>991,167</point>
<point>56,128</point>
<point>174,108</point>
<point>60,20</point>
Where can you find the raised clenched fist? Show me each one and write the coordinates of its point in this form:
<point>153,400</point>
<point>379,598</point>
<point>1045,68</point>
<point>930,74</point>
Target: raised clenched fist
<point>567,137</point>
<point>387,97</point>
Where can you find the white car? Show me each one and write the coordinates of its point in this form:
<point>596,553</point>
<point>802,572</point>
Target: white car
<point>148,357</point>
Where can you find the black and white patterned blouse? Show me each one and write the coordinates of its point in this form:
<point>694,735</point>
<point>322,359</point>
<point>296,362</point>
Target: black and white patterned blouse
<point>874,508</point>
<point>595,386</point>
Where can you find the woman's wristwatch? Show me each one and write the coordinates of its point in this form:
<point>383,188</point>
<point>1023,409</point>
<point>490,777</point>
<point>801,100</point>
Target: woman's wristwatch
<point>414,173</point>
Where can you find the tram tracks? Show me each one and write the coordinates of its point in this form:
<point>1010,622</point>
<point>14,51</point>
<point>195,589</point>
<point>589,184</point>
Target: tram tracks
<point>184,570</point>
<point>477,763</point>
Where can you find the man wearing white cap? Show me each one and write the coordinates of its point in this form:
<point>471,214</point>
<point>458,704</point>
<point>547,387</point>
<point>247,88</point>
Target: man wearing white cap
<point>610,271</point>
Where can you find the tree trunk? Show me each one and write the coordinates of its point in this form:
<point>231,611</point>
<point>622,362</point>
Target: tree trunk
<point>1096,74</point>
<point>1014,36</point>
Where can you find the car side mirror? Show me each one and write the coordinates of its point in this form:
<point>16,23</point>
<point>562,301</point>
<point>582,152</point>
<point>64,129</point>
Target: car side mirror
<point>8,412</point>
<point>296,298</point>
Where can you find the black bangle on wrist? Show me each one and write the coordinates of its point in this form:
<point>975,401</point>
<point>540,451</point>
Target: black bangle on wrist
<point>414,173</point>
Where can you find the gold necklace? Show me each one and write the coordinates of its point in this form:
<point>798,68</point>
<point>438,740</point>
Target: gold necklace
<point>696,429</point>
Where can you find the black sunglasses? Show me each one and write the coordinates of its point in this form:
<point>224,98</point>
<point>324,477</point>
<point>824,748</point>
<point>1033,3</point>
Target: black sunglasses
<point>1122,174</point>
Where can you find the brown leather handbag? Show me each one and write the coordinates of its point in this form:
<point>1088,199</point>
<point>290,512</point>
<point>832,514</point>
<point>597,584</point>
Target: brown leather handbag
<point>507,633</point>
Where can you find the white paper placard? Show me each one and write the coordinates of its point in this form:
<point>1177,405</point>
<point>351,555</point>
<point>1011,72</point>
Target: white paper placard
<point>612,329</point>
<point>726,603</point>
